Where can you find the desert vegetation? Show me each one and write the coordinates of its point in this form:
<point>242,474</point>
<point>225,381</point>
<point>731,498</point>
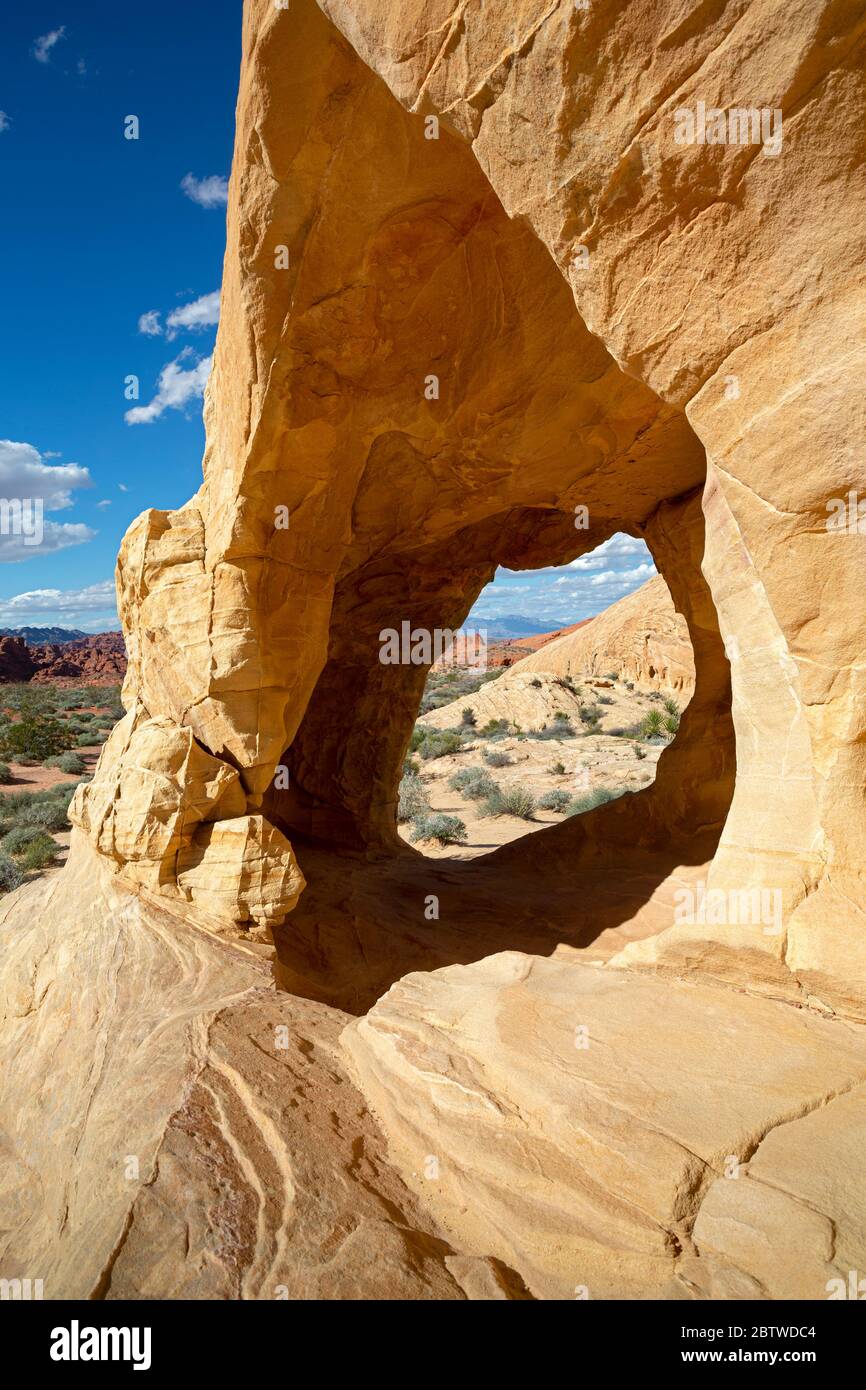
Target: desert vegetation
<point>479,781</point>
<point>50,738</point>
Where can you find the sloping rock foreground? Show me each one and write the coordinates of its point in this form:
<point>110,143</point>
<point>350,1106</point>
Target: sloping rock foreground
<point>175,1127</point>
<point>640,637</point>
<point>598,1130</point>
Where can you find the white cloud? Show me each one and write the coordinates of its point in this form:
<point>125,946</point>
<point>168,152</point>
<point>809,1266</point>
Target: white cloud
<point>25,474</point>
<point>177,387</point>
<point>104,503</point>
<point>43,45</point>
<point>149,324</point>
<point>203,312</point>
<point>55,536</point>
<point>52,605</point>
<point>5,122</point>
<point>123,487</point>
<point>579,590</point>
<point>616,547</point>
<point>209,192</point>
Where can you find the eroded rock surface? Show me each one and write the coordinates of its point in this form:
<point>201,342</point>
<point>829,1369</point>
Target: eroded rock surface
<point>641,637</point>
<point>599,1129</point>
<point>173,1127</point>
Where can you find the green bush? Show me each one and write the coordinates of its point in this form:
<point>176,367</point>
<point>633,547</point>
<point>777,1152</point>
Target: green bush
<point>5,775</point>
<point>50,815</point>
<point>672,707</point>
<point>495,728</point>
<point>412,798</point>
<point>39,854</point>
<point>514,801</point>
<point>558,769</point>
<point>467,717</point>
<point>639,752</point>
<point>35,735</point>
<point>560,728</point>
<point>10,874</point>
<point>67,762</point>
<point>555,800</point>
<point>20,837</point>
<point>473,782</point>
<point>653,724</point>
<point>590,715</point>
<point>494,757</point>
<point>446,830</point>
<point>438,743</point>
<point>536,684</point>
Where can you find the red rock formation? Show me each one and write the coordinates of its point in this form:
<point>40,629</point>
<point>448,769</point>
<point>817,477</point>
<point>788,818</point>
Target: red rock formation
<point>96,660</point>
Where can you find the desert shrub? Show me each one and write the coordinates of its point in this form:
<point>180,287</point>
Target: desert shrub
<point>590,715</point>
<point>536,684</point>
<point>438,743</point>
<point>639,752</point>
<point>10,874</point>
<point>652,724</point>
<point>411,767</point>
<point>514,801</point>
<point>39,853</point>
<point>446,830</point>
<point>5,775</point>
<point>412,798</point>
<point>558,769</point>
<point>612,676</point>
<point>67,762</point>
<point>419,733</point>
<point>494,728</point>
<point>629,685</point>
<point>474,783</point>
<point>50,815</point>
<point>35,735</point>
<point>91,740</point>
<point>599,797</point>
<point>605,700</point>
<point>672,707</point>
<point>467,717</point>
<point>20,837</point>
<point>560,728</point>
<point>28,699</point>
<point>555,800</point>
<point>672,724</point>
<point>495,757</point>
<point>85,717</point>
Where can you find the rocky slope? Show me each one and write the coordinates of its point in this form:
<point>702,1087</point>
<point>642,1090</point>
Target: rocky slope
<point>641,638</point>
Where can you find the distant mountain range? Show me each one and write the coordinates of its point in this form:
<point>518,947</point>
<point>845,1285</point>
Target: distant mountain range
<point>44,634</point>
<point>509,625</point>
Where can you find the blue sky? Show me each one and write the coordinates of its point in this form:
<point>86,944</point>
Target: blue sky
<point>110,264</point>
<point>98,231</point>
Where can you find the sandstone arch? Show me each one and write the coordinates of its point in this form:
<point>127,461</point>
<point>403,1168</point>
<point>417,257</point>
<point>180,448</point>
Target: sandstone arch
<point>262,641</point>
